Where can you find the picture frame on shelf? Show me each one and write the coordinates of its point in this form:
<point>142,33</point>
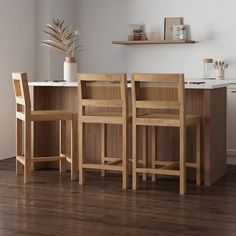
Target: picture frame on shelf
<point>168,26</point>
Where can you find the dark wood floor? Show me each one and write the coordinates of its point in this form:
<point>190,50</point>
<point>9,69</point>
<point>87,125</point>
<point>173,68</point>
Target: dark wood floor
<point>53,205</point>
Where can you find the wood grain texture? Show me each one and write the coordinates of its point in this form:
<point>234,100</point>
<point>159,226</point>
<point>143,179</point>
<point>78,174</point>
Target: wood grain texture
<point>53,205</point>
<point>209,104</point>
<point>24,113</point>
<point>106,91</point>
<point>162,99</point>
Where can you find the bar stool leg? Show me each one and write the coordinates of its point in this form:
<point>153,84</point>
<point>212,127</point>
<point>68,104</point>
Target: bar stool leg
<point>27,143</point>
<point>81,152</point>
<point>182,161</point>
<point>74,150</point>
<point>144,149</point>
<point>134,153</point>
<point>19,151</point>
<point>198,154</point>
<point>103,146</point>
<point>154,150</point>
<point>124,156</point>
<point>62,144</point>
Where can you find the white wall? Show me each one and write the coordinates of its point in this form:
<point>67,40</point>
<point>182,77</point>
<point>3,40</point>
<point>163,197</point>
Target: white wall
<point>211,23</point>
<point>99,23</point>
<point>17,19</point>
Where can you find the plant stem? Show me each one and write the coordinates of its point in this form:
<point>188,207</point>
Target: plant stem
<point>73,51</point>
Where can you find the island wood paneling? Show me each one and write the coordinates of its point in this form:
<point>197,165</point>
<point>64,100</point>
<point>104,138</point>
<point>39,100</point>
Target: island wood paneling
<point>210,104</point>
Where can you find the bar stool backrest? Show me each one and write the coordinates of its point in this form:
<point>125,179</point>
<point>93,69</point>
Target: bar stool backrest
<point>102,91</point>
<point>22,95</point>
<point>163,92</point>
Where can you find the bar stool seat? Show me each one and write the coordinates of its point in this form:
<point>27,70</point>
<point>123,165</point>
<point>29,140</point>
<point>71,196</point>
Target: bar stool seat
<point>104,117</point>
<point>169,120</point>
<point>24,115</point>
<point>51,115</point>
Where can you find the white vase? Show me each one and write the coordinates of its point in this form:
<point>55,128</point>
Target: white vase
<point>70,69</point>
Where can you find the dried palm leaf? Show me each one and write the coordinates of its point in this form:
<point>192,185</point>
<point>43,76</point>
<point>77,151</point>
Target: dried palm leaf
<point>53,28</point>
<point>65,38</point>
<point>52,44</point>
<point>55,36</point>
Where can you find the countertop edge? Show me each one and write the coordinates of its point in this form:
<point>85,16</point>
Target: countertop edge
<point>193,83</point>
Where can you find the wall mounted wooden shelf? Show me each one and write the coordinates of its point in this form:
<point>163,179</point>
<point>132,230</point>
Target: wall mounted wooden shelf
<point>153,42</point>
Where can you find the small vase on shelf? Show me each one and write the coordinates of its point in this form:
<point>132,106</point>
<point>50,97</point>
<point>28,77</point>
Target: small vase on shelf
<point>70,69</point>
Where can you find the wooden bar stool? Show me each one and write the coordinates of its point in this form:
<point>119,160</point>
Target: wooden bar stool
<point>162,98</point>
<point>109,92</point>
<point>24,117</point>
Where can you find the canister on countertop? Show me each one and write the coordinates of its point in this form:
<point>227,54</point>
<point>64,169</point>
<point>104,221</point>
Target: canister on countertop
<point>208,68</point>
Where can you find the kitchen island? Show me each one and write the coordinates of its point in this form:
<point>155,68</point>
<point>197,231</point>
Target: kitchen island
<point>206,98</point>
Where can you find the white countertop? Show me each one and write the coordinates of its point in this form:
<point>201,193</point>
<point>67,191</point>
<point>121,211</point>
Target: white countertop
<point>189,84</point>
<point>54,84</point>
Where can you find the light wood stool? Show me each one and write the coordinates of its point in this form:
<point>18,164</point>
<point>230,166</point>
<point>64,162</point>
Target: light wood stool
<point>24,117</point>
<point>164,95</point>
<point>106,91</point>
